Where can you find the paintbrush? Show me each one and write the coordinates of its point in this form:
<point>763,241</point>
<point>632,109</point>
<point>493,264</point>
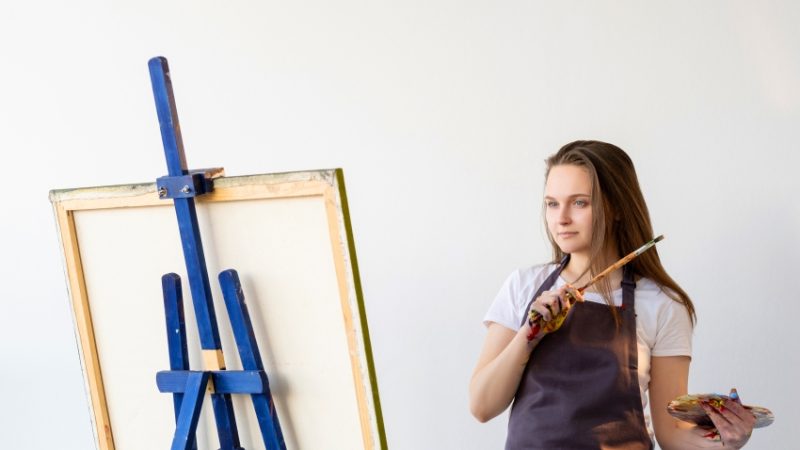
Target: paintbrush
<point>537,322</point>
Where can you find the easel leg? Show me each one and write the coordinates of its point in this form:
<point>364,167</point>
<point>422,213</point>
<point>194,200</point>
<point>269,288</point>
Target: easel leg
<point>179,360</point>
<point>251,358</point>
<point>268,421</point>
<point>226,429</point>
<point>176,336</point>
<point>190,411</point>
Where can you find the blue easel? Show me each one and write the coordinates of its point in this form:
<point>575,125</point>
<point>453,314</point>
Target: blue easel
<point>189,386</point>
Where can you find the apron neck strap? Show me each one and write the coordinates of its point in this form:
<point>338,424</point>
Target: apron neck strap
<point>628,287</point>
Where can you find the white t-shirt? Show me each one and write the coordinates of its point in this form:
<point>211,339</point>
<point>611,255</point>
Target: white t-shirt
<point>663,326</point>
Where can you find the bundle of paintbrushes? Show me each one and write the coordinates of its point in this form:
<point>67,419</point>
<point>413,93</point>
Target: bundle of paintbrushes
<point>536,321</point>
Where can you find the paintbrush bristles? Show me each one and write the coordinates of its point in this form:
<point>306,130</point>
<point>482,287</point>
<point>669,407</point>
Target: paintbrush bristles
<point>647,246</point>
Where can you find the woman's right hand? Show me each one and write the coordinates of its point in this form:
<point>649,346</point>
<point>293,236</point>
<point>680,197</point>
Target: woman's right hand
<point>550,305</point>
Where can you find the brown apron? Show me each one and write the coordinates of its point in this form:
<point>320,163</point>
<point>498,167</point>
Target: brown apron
<point>580,388</point>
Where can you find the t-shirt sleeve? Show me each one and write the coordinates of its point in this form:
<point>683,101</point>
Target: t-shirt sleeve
<point>505,309</point>
<point>674,331</point>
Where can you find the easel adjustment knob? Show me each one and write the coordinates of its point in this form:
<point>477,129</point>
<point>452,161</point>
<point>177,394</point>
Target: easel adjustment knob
<point>183,186</point>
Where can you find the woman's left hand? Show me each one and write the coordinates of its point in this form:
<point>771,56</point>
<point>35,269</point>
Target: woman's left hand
<point>733,421</point>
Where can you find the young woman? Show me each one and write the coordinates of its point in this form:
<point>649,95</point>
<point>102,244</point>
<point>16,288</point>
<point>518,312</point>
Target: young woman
<point>586,384</point>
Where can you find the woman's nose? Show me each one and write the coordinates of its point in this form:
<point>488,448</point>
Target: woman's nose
<point>564,217</point>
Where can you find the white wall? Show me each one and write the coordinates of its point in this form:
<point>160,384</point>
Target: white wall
<point>440,113</point>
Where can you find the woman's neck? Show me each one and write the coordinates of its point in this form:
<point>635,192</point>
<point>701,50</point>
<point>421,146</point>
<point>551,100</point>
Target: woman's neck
<point>578,271</point>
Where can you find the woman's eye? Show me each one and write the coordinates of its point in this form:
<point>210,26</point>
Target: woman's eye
<point>581,203</point>
<point>551,204</point>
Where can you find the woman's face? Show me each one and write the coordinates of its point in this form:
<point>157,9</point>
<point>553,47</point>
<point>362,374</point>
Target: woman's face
<point>568,208</point>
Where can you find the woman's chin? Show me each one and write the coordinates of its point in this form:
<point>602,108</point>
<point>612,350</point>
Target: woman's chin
<point>570,249</point>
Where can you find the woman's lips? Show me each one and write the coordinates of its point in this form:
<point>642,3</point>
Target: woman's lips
<point>567,234</point>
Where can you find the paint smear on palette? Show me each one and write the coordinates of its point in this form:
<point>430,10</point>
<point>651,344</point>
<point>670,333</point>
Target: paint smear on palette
<point>689,408</point>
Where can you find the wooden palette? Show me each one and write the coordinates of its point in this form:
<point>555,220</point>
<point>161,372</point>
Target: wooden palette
<point>689,408</point>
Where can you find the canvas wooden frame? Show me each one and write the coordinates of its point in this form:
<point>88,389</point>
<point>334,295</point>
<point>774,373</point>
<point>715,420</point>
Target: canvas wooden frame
<point>325,185</point>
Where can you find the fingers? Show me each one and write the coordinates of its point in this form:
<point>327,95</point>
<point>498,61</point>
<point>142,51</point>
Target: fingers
<point>549,308</point>
<point>734,421</point>
<point>547,313</point>
<point>575,293</point>
<point>550,304</point>
<point>730,413</point>
<point>735,406</point>
<point>563,301</point>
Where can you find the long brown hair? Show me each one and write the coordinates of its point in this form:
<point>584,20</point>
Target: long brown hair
<point>619,214</point>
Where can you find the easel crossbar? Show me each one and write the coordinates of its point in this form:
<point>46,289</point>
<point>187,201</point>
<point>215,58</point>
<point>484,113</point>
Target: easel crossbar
<point>225,382</point>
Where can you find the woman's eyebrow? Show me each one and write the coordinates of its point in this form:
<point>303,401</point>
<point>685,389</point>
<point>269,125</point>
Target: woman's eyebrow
<point>548,197</point>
